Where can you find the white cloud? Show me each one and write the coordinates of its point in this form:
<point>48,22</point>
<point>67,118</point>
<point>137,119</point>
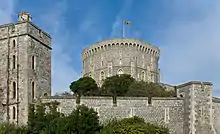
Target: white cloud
<point>6,11</point>
<point>117,25</point>
<point>63,72</point>
<point>190,47</point>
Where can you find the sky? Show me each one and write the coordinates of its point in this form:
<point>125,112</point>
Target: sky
<point>186,31</point>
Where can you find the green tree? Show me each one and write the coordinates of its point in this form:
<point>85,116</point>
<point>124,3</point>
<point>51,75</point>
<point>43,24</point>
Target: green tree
<point>83,86</point>
<point>39,119</point>
<point>148,89</point>
<point>84,120</point>
<point>117,85</point>
<point>12,129</point>
<point>133,125</point>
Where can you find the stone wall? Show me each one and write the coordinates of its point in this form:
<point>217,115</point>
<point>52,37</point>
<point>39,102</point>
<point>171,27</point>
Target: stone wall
<point>216,115</point>
<point>165,111</point>
<point>18,43</point>
<point>117,56</point>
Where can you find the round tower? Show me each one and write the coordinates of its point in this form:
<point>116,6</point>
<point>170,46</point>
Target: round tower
<point>121,56</point>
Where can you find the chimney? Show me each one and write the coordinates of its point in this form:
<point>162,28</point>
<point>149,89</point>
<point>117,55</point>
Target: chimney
<point>24,16</point>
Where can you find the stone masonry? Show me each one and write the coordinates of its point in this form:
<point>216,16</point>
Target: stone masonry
<point>25,73</point>
<point>191,112</point>
<point>119,56</point>
<point>25,77</point>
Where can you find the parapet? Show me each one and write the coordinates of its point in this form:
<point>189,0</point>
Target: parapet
<point>194,82</point>
<point>121,42</point>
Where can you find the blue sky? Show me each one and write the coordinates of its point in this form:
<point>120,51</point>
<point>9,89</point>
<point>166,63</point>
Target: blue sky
<point>186,31</point>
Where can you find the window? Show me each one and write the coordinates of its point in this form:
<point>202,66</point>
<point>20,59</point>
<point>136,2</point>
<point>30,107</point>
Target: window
<point>45,94</point>
<point>120,71</point>
<point>33,90</point>
<point>143,76</point>
<point>152,77</point>
<point>14,44</point>
<point>14,90</point>
<point>120,53</point>
<point>33,62</point>
<point>102,75</point>
<point>13,113</point>
<point>120,61</point>
<point>102,63</point>
<point>13,64</point>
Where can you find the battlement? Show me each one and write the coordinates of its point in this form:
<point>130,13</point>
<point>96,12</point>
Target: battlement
<point>117,43</point>
<point>24,27</point>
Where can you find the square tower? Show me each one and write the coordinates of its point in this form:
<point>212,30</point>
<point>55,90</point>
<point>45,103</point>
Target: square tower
<point>25,71</point>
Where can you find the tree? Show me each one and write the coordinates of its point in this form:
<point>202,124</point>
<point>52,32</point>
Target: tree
<point>84,120</point>
<point>133,125</point>
<point>117,85</point>
<point>83,86</point>
<point>148,89</point>
<point>12,129</point>
<point>39,119</point>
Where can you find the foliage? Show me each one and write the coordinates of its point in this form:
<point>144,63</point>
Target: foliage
<point>145,89</point>
<point>83,86</point>
<point>117,85</point>
<point>134,125</point>
<point>12,129</point>
<point>82,120</point>
<point>39,119</point>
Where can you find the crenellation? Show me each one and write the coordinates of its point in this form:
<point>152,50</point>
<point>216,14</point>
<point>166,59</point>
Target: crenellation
<point>118,48</point>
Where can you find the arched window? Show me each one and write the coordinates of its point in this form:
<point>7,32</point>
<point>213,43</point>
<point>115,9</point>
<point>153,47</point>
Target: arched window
<point>13,113</point>
<point>13,64</point>
<point>120,72</point>
<point>14,43</point>
<point>120,62</point>
<point>143,76</point>
<point>33,62</point>
<point>152,77</point>
<point>33,90</point>
<point>45,94</point>
<point>102,75</point>
<point>14,90</point>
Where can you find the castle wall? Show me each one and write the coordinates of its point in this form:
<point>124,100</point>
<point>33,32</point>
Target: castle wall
<point>165,111</point>
<point>216,115</point>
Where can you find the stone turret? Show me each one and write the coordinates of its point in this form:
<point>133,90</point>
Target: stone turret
<point>198,113</point>
<point>24,16</point>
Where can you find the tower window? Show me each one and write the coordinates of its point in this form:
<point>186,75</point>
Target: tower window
<point>33,90</point>
<point>14,90</point>
<point>13,62</point>
<point>102,63</point>
<point>102,75</point>
<point>13,113</point>
<point>143,76</point>
<point>120,72</point>
<point>14,44</point>
<point>33,62</point>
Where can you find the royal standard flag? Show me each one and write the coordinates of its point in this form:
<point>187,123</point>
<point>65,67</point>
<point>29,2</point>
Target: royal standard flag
<point>127,22</point>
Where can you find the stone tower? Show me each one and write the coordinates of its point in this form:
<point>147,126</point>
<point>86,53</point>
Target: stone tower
<point>25,71</point>
<point>121,56</point>
<point>198,112</point>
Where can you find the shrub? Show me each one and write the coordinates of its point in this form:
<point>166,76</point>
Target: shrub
<point>134,125</point>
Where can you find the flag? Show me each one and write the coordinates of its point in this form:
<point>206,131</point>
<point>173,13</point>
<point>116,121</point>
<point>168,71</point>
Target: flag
<point>127,22</point>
